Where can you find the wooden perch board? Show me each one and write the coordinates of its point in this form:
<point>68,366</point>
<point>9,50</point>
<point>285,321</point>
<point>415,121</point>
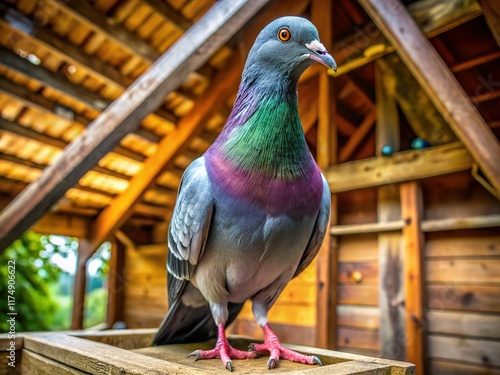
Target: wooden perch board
<point>124,115</point>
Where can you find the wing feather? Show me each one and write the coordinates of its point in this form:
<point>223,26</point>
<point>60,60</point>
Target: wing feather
<point>189,227</point>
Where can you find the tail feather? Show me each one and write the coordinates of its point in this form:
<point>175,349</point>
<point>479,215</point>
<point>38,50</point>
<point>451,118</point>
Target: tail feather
<point>186,324</point>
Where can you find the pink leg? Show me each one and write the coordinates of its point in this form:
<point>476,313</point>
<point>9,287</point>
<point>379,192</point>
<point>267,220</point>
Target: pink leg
<point>272,345</point>
<point>223,350</point>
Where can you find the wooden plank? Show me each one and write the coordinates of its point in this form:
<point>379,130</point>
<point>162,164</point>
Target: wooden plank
<point>459,297</point>
<point>411,213</point>
<point>36,364</point>
<point>438,82</point>
<point>358,338</point>
<point>170,14</point>
<point>124,339</point>
<point>491,10</point>
<point>340,230</point>
<point>192,50</point>
<point>116,283</point>
<point>357,273</point>
<point>358,317</point>
<point>487,221</point>
<point>326,154</point>
<point>463,324</point>
<point>98,358</point>
<point>390,247</point>
<point>358,294</point>
<point>465,350</point>
<point>79,289</point>
<point>463,244</point>
<point>463,271</point>
<point>361,248</point>
<point>402,166</point>
<point>440,367</point>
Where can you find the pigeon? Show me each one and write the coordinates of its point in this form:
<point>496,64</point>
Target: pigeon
<point>252,211</point>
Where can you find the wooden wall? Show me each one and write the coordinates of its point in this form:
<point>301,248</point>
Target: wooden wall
<point>145,295</point>
<point>461,284</point>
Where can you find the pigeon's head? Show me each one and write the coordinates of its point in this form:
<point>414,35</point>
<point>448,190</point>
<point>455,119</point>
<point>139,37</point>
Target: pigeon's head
<point>289,45</point>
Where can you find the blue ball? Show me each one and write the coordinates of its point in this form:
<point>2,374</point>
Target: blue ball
<point>419,144</point>
<point>387,150</point>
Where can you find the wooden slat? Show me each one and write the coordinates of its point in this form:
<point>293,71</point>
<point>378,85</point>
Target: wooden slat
<point>463,324</point>
<point>438,82</point>
<point>34,363</point>
<point>441,367</point>
<point>465,350</point>
<point>326,154</point>
<point>125,113</point>
<point>358,338</point>
<point>116,283</point>
<point>491,11</point>
<point>95,358</point>
<point>466,244</point>
<point>463,271</point>
<point>463,297</point>
<point>411,213</point>
<point>358,294</point>
<point>487,221</point>
<point>348,273</point>
<point>402,166</point>
<point>358,316</point>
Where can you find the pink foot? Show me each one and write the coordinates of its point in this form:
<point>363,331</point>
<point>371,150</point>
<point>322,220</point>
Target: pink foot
<point>223,350</point>
<point>272,345</point>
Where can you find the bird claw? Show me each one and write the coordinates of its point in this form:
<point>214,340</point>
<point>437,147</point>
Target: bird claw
<point>272,363</point>
<point>317,360</point>
<point>195,354</point>
<point>229,366</point>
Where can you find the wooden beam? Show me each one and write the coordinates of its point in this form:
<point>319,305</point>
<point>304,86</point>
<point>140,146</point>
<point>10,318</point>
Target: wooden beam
<point>389,226</point>
<point>79,291</point>
<point>438,82</point>
<point>491,10</point>
<point>308,103</point>
<point>390,249</point>
<point>472,63</point>
<point>326,154</point>
<point>124,115</point>
<point>170,14</point>
<point>412,212</point>
<point>367,43</point>
<point>402,166</point>
<point>357,137</point>
<point>116,283</point>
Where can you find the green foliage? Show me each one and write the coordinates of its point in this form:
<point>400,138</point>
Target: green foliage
<point>34,273</point>
<point>43,291</point>
<point>95,307</point>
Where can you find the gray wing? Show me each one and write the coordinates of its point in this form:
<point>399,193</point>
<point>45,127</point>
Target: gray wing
<point>189,226</point>
<point>319,230</point>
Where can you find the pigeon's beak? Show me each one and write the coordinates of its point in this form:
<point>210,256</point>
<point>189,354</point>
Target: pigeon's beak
<point>321,55</point>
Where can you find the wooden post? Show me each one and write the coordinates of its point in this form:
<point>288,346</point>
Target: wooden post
<point>322,16</point>
<point>436,79</point>
<point>412,207</point>
<point>116,283</point>
<point>391,285</point>
<point>80,287</point>
<point>125,114</point>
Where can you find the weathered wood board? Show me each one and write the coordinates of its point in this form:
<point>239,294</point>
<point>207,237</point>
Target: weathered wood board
<point>65,353</point>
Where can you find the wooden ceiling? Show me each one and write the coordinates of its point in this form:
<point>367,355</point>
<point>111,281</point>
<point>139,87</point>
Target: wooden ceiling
<point>63,62</point>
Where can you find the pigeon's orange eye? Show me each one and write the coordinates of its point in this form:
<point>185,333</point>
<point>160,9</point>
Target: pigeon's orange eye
<point>284,34</point>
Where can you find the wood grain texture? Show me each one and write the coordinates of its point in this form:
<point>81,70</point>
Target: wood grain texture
<point>411,213</point>
<point>34,363</point>
<point>464,324</point>
<point>124,115</point>
<point>438,82</point>
<point>459,297</point>
<point>442,367</point>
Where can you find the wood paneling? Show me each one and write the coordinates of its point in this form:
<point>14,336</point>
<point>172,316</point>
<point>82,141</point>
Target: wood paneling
<point>464,324</point>
<point>464,297</point>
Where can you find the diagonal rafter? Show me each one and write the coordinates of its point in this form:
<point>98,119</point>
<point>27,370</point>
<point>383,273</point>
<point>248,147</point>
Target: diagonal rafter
<point>358,136</point>
<point>438,82</point>
<point>125,114</point>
